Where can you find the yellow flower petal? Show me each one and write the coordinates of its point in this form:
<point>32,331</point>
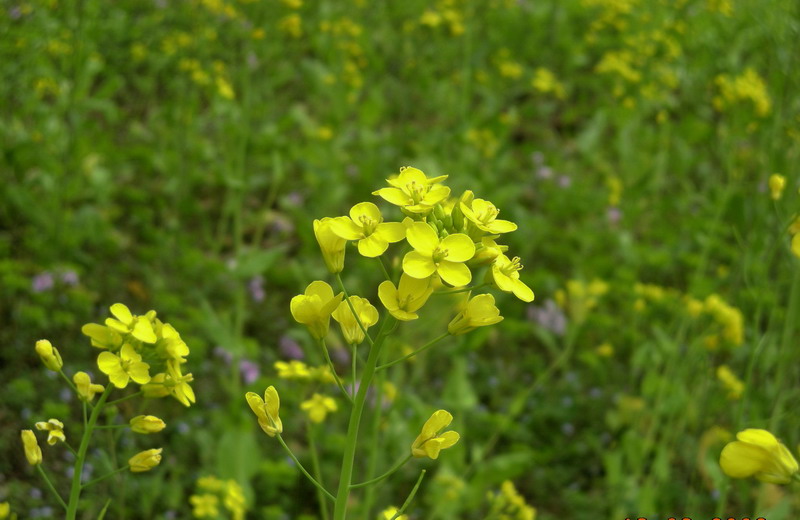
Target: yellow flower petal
<point>459,246</point>
<point>387,294</point>
<point>422,238</point>
<point>346,228</point>
<point>372,246</point>
<point>143,331</point>
<point>391,231</point>
<point>393,196</point>
<point>418,265</point>
<point>122,313</point>
<point>366,210</point>
<point>454,273</point>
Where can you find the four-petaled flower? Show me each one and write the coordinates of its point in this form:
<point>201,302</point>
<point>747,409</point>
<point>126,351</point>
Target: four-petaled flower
<point>267,410</point>
<point>313,309</point>
<point>413,191</point>
<point>430,442</point>
<point>367,314</point>
<point>121,369</point>
<point>505,274</point>
<point>318,407</point>
<point>204,505</point>
<point>757,453</point>
<point>54,429</point>
<point>404,301</point>
<point>483,214</point>
<point>366,225</point>
<point>431,255</point>
<point>126,323</point>
<point>479,311</point>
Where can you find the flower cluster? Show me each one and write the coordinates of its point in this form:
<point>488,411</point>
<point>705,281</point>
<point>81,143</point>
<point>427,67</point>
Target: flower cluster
<point>213,491</point>
<point>508,504</point>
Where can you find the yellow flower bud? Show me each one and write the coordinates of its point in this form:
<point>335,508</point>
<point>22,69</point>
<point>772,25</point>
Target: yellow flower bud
<point>389,513</point>
<point>86,389</point>
<point>145,460</point>
<point>757,453</point>
<point>429,442</point>
<point>32,450</point>
<point>49,354</point>
<point>267,410</point>
<point>313,309</point>
<point>147,424</point>
<point>344,315</point>
<point>776,185</point>
<point>55,429</point>
<point>478,312</point>
<point>331,245</point>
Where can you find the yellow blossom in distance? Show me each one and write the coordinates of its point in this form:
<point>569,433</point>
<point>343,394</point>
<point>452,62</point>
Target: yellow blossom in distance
<point>732,384</point>
<point>796,245</point>
<point>204,505</point>
<point>777,183</point>
<point>121,369</point>
<point>313,308</point>
<point>145,460</point>
<point>404,301</point>
<point>318,407</point>
<point>505,275</point>
<point>331,245</point>
<point>126,323</point>
<point>479,311</point>
<point>413,191</point>
<point>86,389</point>
<point>266,410</point>
<point>757,453</point>
<point>5,510</point>
<point>389,512</point>
<point>54,429</point>
<point>292,370</point>
<point>32,450</point>
<point>366,225</point>
<point>445,257</point>
<point>146,424</point>
<point>350,329</point>
<point>430,442</point>
<point>483,214</point>
<point>49,355</point>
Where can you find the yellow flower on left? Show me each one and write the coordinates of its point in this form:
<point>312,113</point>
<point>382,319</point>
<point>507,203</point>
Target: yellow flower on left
<point>55,429</point>
<point>121,369</point>
<point>757,453</point>
<point>267,410</point>
<point>32,450</point>
<point>5,510</point>
<point>49,355</point>
<point>431,255</point>
<point>350,328</point>
<point>313,309</point>
<point>366,225</point>
<point>430,442</point>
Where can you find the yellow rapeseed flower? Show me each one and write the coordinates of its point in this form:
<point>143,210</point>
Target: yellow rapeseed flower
<point>350,329</point>
<point>49,355</point>
<point>54,429</point>
<point>430,442</point>
<point>5,510</point>
<point>331,245</point>
<point>389,512</point>
<point>505,275</point>
<point>757,453</point>
<point>86,389</point>
<point>479,311</point>
<point>292,370</point>
<point>318,407</point>
<point>102,337</point>
<point>366,225</point>
<point>121,369</point>
<point>32,450</point>
<point>483,214</point>
<point>796,245</point>
<point>126,323</point>
<point>266,410</point>
<point>145,460</point>
<point>313,309</point>
<point>404,301</point>
<point>732,384</point>
<point>431,255</point>
<point>487,251</point>
<point>171,342</point>
<point>147,424</point>
<point>777,183</point>
<point>413,191</point>
<point>204,506</point>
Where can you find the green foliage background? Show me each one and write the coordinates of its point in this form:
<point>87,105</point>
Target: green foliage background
<point>172,155</point>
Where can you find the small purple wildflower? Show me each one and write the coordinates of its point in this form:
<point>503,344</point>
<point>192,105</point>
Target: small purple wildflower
<point>42,282</point>
<point>70,278</point>
<point>249,371</point>
<point>564,181</point>
<point>549,316</point>
<point>613,215</point>
<point>256,288</point>
<point>224,354</point>
<point>290,348</point>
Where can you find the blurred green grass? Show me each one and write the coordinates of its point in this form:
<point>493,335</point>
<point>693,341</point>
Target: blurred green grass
<point>171,155</point>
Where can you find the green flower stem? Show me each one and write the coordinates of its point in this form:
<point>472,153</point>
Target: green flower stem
<point>111,426</point>
<point>50,485</point>
<point>303,470</point>
<point>354,360</point>
<point>75,490</point>
<point>418,351</point>
<point>383,267</point>
<point>333,371</point>
<point>70,448</point>
<point>137,394</point>
<point>389,473</point>
<point>110,474</point>
<point>312,448</point>
<point>345,477</point>
<point>352,309</point>
<point>463,289</point>
<point>70,384</point>
<point>410,496</point>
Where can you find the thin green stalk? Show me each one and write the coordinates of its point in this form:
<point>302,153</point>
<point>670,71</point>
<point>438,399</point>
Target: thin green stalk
<point>312,448</point>
<point>85,415</point>
<point>373,450</point>
<point>410,496</point>
<point>50,485</point>
<point>463,289</point>
<point>333,371</point>
<point>346,474</point>
<point>70,448</point>
<point>110,474</point>
<point>389,473</point>
<point>353,362</point>
<point>126,398</point>
<point>352,309</point>
<point>111,426</point>
<point>75,490</point>
<point>383,267</point>
<point>418,351</point>
<point>303,470</point>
